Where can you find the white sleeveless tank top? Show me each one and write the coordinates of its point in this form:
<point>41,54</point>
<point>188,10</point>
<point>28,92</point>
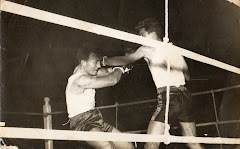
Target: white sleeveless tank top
<point>79,103</point>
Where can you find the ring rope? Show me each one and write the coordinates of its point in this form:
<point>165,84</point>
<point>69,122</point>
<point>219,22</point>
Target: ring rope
<point>166,39</point>
<point>215,113</point>
<point>197,125</point>
<point>124,104</point>
<point>166,126</point>
<point>47,134</point>
<point>202,124</point>
<point>34,13</point>
<point>167,138</point>
<point>236,2</point>
<point>216,116</point>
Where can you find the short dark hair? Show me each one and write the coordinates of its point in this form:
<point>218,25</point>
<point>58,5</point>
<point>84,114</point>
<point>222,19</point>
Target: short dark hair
<point>150,25</point>
<point>84,53</point>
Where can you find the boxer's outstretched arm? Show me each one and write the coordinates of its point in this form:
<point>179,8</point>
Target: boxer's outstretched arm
<point>124,60</point>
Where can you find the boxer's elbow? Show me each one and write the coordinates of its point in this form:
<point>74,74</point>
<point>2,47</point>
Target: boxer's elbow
<point>114,80</point>
<point>186,75</point>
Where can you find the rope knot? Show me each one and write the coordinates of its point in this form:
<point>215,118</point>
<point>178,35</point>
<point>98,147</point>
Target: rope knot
<point>165,39</point>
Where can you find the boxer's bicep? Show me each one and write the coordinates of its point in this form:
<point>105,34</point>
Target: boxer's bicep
<point>104,71</point>
<point>138,54</point>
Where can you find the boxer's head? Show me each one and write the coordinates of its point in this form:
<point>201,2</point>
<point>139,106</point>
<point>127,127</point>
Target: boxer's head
<point>89,59</point>
<point>149,28</point>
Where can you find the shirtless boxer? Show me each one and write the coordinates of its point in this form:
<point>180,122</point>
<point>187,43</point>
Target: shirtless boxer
<point>180,98</point>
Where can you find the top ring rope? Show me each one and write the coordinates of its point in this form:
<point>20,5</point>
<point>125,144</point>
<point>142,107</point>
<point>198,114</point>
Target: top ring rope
<point>236,2</point>
<point>109,32</point>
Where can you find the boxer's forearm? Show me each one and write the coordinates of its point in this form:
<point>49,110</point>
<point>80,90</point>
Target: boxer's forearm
<point>127,59</point>
<point>117,61</point>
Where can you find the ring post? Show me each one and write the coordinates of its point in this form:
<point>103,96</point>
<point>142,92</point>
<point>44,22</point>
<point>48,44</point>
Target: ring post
<point>47,121</point>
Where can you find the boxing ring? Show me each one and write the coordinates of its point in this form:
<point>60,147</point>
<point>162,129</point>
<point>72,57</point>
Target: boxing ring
<point>48,134</point>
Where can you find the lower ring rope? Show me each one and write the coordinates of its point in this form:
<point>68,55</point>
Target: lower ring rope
<point>12,132</point>
<point>36,133</point>
<point>197,125</point>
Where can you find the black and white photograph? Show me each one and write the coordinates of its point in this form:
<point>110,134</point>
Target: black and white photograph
<point>120,74</point>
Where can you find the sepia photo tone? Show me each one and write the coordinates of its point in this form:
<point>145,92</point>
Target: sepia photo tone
<point>145,74</point>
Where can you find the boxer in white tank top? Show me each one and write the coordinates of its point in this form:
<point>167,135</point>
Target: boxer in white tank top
<point>85,99</point>
<point>80,97</point>
<point>157,63</point>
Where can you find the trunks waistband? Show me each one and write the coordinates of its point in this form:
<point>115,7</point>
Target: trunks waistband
<point>172,88</point>
<point>84,113</point>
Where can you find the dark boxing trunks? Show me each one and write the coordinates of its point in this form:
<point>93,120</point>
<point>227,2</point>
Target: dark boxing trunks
<point>88,120</point>
<point>180,106</point>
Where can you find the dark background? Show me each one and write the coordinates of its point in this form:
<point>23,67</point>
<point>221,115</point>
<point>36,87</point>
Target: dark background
<point>38,57</point>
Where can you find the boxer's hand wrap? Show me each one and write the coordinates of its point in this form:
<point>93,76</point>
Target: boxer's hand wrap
<point>128,68</point>
<point>102,62</point>
<point>123,71</point>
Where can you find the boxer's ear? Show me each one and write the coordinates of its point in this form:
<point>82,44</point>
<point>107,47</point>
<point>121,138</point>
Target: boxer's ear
<point>83,63</point>
<point>153,35</point>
